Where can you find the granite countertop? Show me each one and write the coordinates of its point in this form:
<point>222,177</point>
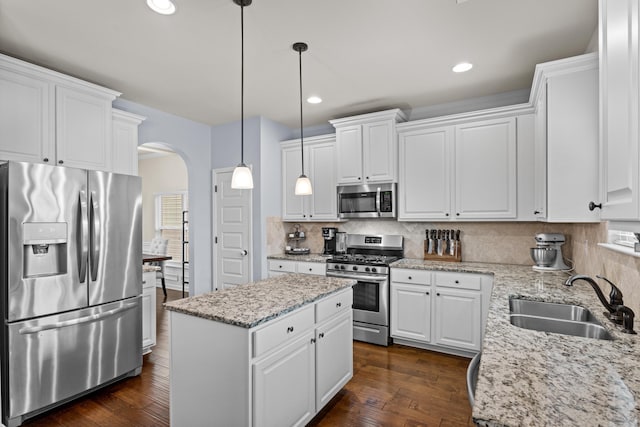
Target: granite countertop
<point>532,378</point>
<point>257,302</point>
<point>304,258</point>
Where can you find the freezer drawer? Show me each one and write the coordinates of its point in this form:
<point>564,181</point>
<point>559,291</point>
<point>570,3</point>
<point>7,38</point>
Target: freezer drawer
<point>57,357</point>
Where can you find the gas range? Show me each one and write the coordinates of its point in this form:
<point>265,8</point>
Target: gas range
<point>367,261</point>
<point>375,264</point>
<point>367,254</point>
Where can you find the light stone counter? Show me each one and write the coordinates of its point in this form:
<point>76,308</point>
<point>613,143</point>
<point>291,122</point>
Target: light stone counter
<point>304,258</point>
<point>257,302</point>
<point>531,378</point>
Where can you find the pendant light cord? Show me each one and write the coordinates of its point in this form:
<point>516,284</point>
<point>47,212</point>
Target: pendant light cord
<point>301,133</point>
<point>242,82</point>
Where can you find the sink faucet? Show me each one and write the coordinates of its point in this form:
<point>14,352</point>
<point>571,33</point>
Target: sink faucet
<point>617,312</point>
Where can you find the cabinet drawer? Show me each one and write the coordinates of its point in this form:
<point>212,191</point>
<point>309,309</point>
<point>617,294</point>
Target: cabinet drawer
<point>282,330</point>
<point>282,265</point>
<point>318,268</point>
<point>334,304</point>
<point>420,277</point>
<point>457,280</point>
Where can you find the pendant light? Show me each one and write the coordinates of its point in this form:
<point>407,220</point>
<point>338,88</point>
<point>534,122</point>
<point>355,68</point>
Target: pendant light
<point>303,183</point>
<point>242,178</point>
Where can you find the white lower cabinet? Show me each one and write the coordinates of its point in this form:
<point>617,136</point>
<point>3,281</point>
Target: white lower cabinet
<point>441,311</point>
<point>148,311</point>
<point>277,374</point>
<point>457,318</point>
<point>278,267</point>
<point>334,357</point>
<point>283,385</point>
<point>411,311</point>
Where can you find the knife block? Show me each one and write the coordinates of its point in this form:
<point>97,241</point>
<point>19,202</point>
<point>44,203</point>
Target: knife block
<point>456,257</point>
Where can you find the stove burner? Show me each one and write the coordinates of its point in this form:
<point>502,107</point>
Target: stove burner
<point>363,259</point>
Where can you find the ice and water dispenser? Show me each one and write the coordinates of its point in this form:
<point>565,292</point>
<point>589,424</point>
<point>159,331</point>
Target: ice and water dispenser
<point>45,248</point>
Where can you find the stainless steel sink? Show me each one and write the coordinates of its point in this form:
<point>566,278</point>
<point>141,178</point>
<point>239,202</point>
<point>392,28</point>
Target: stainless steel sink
<point>551,310</point>
<point>558,326</point>
<point>556,318</point>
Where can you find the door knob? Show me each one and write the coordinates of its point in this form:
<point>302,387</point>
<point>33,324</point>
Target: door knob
<point>244,252</point>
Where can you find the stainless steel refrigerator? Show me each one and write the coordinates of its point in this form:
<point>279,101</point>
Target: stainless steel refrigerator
<point>70,280</point>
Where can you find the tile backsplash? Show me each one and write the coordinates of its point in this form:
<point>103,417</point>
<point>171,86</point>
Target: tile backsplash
<point>492,242</point>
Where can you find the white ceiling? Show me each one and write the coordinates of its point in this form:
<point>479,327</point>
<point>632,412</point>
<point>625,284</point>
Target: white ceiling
<point>364,55</point>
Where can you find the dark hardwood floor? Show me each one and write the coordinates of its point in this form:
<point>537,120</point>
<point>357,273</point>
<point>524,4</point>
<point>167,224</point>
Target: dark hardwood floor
<point>394,386</point>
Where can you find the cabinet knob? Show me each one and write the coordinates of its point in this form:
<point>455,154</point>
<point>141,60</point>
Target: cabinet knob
<point>311,269</point>
<point>310,216</point>
<point>290,329</point>
<point>536,212</point>
<point>60,162</point>
<point>46,159</point>
<point>367,177</point>
<point>339,305</point>
<point>304,216</point>
<point>447,214</point>
<point>410,278</point>
<point>457,213</point>
<point>313,340</point>
<point>438,294</point>
<point>427,293</point>
<point>592,206</point>
<point>457,282</point>
<point>279,266</point>
<point>359,178</point>
<point>321,335</point>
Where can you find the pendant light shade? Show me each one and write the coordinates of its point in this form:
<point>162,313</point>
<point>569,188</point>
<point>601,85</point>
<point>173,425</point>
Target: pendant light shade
<point>303,186</point>
<point>303,183</point>
<point>242,178</point>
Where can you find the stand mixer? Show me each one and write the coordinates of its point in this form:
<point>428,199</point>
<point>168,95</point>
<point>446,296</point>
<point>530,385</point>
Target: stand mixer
<point>548,253</point>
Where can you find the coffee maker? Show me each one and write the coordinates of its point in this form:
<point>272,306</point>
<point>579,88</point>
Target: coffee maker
<point>329,235</point>
<point>548,253</point>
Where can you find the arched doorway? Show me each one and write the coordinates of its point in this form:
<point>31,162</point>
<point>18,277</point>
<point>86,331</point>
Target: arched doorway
<point>165,205</point>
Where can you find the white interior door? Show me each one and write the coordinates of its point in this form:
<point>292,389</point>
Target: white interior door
<point>232,239</point>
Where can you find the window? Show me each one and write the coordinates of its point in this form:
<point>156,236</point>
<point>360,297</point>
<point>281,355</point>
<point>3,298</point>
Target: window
<point>169,208</point>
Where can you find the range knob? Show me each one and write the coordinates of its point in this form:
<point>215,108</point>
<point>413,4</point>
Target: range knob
<point>374,270</point>
<point>367,269</point>
<point>355,268</point>
<point>342,267</point>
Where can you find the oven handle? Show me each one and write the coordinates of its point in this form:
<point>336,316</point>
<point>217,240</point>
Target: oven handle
<point>378,202</point>
<point>362,277</point>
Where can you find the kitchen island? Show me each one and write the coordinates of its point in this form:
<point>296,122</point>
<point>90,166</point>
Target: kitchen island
<point>532,378</point>
<point>272,352</point>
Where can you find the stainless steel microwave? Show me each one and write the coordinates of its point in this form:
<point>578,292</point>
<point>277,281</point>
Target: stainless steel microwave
<point>367,201</point>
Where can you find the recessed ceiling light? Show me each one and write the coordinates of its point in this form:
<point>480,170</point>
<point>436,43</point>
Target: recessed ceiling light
<point>163,7</point>
<point>462,67</point>
<point>314,100</point>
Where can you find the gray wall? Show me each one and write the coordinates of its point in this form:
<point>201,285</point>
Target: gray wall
<point>192,141</point>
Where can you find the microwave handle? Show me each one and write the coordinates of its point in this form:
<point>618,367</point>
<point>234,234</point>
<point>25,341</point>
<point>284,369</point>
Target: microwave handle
<point>378,202</point>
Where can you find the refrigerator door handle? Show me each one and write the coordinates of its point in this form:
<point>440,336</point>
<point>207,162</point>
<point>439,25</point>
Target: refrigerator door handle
<point>94,256</point>
<point>78,321</point>
<point>83,237</point>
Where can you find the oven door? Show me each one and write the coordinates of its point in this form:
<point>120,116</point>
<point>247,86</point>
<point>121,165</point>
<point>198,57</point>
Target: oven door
<point>370,298</point>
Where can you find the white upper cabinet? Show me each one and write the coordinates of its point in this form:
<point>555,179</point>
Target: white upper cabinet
<point>83,129</point>
<point>320,167</point>
<point>367,147</point>
<point>485,169</point>
<point>26,117</point>
<point>458,171</point>
<point>566,151</point>
<point>52,118</point>
<point>424,190</point>
<point>125,142</point>
<point>619,98</point>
